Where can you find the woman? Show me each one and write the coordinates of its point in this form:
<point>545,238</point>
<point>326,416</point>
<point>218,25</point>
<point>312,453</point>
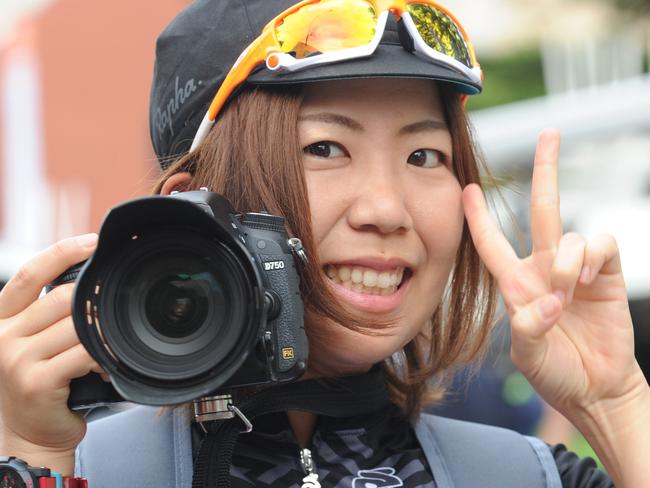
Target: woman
<point>366,152</point>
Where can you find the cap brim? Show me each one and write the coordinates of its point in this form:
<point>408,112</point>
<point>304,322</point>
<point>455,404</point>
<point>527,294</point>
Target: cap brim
<point>388,61</point>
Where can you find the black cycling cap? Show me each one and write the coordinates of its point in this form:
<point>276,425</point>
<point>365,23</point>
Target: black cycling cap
<point>197,49</point>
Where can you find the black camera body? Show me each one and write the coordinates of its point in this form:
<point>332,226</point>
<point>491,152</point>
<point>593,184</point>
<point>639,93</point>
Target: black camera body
<point>185,298</point>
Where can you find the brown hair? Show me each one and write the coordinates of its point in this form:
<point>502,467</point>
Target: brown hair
<point>253,159</point>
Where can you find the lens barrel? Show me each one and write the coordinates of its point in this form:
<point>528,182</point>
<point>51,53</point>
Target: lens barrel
<point>171,304</point>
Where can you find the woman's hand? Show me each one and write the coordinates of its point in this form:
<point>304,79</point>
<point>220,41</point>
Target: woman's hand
<point>39,354</point>
<point>572,333</point>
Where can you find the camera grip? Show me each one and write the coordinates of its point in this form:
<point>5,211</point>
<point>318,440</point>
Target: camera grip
<point>290,339</point>
<point>91,391</point>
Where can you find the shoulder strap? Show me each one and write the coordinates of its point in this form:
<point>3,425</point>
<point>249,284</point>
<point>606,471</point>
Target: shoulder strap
<point>466,455</point>
<point>143,446</point>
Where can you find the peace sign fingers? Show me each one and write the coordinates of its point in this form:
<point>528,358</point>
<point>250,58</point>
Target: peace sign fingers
<point>545,222</point>
<point>494,249</point>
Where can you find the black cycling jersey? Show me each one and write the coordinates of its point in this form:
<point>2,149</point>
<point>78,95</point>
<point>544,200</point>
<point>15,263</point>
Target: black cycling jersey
<point>379,450</point>
<point>374,450</point>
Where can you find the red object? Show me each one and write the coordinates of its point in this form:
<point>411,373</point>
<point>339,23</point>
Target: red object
<point>47,482</point>
<point>70,482</point>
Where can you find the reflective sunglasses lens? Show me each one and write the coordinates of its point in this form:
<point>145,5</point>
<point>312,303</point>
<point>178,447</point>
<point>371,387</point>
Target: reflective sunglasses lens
<point>439,32</point>
<point>327,27</point>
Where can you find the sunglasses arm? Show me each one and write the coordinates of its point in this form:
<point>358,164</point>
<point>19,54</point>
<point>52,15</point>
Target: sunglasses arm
<point>247,61</point>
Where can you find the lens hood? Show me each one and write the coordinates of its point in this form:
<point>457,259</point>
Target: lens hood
<point>171,304</point>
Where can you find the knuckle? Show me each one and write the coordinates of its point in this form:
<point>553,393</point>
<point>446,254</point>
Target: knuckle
<point>61,295</point>
<point>18,373</point>
<point>561,274</point>
<point>573,238</point>
<point>29,387</point>
<point>608,241</point>
<point>62,249</point>
<point>25,276</point>
<point>513,286</point>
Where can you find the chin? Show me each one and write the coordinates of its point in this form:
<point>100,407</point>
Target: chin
<point>337,351</point>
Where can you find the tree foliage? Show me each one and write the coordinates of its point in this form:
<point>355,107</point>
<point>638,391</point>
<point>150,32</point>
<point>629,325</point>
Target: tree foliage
<point>642,6</point>
<point>516,76</point>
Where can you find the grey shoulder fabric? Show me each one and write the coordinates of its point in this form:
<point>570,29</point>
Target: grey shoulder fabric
<point>141,447</point>
<point>467,455</point>
<point>546,459</point>
<point>147,448</point>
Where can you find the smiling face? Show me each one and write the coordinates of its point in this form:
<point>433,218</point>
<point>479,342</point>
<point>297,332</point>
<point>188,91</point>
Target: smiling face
<point>386,209</point>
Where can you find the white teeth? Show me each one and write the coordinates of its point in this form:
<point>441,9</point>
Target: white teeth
<point>366,280</point>
<point>357,275</point>
<point>383,280</point>
<point>344,273</point>
<point>370,278</point>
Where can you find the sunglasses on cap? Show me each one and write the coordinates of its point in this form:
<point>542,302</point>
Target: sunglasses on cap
<point>317,32</point>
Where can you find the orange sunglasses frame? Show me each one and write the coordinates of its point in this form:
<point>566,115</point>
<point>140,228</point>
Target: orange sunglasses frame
<point>267,43</point>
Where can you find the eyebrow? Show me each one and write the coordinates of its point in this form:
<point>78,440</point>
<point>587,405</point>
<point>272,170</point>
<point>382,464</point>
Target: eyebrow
<point>347,122</point>
<point>423,126</point>
<point>331,118</point>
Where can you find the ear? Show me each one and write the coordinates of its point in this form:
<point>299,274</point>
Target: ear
<point>176,182</point>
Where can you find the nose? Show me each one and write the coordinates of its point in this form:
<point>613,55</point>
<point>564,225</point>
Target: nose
<point>380,203</point>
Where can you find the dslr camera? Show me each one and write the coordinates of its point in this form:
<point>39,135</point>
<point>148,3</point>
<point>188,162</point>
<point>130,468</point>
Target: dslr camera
<point>185,298</point>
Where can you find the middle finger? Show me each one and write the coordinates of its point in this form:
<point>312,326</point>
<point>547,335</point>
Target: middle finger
<point>55,339</point>
<point>567,265</point>
<point>545,222</point>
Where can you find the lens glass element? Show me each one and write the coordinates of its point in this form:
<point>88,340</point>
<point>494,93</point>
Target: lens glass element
<point>327,27</point>
<point>180,309</point>
<point>439,32</point>
<point>177,305</point>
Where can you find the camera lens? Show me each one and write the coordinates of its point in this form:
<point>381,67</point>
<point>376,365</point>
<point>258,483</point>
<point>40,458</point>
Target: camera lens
<point>177,305</point>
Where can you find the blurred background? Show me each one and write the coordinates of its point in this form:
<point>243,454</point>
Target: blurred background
<point>74,140</point>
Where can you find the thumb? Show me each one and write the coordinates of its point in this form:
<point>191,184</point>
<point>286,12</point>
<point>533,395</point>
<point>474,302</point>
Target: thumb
<point>529,326</point>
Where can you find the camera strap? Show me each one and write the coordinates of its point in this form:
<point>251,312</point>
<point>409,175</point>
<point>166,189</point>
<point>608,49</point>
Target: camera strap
<point>335,397</point>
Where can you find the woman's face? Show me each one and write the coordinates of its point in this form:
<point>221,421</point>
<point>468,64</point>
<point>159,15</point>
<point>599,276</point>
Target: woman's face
<point>385,207</point>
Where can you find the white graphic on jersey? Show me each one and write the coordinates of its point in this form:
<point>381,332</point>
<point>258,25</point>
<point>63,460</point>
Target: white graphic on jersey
<point>376,478</point>
<point>310,481</point>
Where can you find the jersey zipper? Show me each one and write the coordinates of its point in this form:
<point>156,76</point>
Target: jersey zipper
<point>311,480</point>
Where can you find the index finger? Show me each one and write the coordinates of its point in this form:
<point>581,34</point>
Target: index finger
<point>494,249</point>
<point>545,221</point>
<point>25,286</point>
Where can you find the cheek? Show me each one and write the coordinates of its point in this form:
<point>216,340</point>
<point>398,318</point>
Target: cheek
<point>440,223</point>
<point>327,202</point>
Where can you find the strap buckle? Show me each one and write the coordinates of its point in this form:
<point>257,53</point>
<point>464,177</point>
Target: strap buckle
<point>218,407</point>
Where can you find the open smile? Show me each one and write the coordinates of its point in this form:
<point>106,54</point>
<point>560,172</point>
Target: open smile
<point>369,288</point>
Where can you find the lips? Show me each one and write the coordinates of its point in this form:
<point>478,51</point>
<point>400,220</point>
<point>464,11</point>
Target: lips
<point>366,280</point>
<point>369,284</point>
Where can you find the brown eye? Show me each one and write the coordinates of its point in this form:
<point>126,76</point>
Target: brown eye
<point>426,158</point>
<point>325,149</point>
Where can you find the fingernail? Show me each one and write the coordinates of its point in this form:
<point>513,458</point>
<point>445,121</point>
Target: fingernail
<point>87,240</point>
<point>548,307</point>
<point>560,296</point>
<point>585,274</point>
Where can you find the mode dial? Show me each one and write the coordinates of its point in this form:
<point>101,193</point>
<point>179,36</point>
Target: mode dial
<point>263,221</point>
